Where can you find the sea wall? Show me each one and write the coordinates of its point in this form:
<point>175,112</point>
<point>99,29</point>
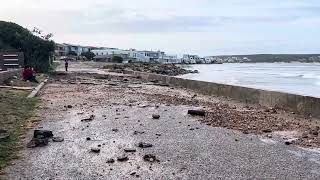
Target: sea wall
<point>305,105</point>
<point>4,75</point>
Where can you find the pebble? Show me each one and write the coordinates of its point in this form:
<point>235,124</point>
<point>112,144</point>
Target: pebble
<point>144,145</point>
<point>122,158</point>
<point>156,116</point>
<point>95,150</point>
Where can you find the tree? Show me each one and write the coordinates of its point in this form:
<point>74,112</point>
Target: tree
<point>89,55</point>
<point>72,53</point>
<point>117,59</point>
<point>37,50</point>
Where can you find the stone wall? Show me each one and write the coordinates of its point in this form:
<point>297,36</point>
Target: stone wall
<point>4,75</point>
<point>305,105</point>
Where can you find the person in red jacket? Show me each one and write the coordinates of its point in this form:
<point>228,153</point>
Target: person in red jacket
<point>27,74</point>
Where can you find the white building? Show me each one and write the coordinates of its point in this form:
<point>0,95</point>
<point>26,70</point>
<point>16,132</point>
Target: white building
<point>190,59</point>
<point>75,48</point>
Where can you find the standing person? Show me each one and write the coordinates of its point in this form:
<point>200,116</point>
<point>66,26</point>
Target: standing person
<point>27,74</point>
<point>66,64</point>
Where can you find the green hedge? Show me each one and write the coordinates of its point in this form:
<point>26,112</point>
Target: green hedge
<point>37,51</point>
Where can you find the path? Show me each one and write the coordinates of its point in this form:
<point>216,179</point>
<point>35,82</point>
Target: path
<point>185,148</point>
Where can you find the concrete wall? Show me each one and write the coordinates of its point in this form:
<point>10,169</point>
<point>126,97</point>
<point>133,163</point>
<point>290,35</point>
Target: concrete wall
<point>304,105</point>
<point>4,75</point>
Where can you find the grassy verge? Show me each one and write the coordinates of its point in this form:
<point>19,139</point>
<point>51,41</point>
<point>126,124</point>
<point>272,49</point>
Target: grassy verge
<point>15,113</point>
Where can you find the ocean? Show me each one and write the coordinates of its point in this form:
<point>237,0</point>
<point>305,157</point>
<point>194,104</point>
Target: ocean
<point>295,78</point>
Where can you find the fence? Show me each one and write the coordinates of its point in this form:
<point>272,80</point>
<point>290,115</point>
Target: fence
<point>11,60</point>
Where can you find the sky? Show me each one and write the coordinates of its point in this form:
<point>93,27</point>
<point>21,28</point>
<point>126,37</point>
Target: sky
<point>203,27</point>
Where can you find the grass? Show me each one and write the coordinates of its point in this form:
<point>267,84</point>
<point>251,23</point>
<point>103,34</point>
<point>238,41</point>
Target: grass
<point>15,111</point>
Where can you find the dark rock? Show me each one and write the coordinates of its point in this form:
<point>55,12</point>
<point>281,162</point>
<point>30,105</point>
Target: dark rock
<point>38,142</point>
<point>138,132</point>
<point>144,145</point>
<point>156,116</point>
<point>305,135</point>
<point>314,132</point>
<point>150,158</point>
<point>158,134</point>
<point>57,139</point>
<point>130,150</point>
<point>69,106</point>
<point>110,161</point>
<point>42,134</point>
<point>289,142</point>
<point>267,130</point>
<point>115,130</point>
<point>95,150</point>
<point>122,158</point>
<point>88,138</point>
<point>133,173</point>
<point>197,112</point>
<point>88,119</point>
<point>191,129</point>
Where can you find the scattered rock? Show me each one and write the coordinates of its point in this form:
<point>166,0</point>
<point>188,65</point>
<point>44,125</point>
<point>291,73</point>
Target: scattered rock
<point>197,112</point>
<point>42,134</point>
<point>130,150</point>
<point>191,129</point>
<point>289,141</point>
<point>158,134</point>
<point>57,139</point>
<point>88,119</point>
<point>267,130</point>
<point>38,142</point>
<point>156,116</point>
<point>133,173</point>
<point>69,106</point>
<point>95,150</point>
<point>110,161</point>
<point>144,145</point>
<point>314,132</point>
<point>269,136</point>
<point>88,138</point>
<point>305,135</point>
<point>138,132</point>
<point>122,158</point>
<point>115,130</point>
<point>150,158</point>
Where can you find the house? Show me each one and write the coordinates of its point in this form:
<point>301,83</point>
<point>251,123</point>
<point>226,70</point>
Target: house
<point>75,48</point>
<point>190,59</point>
<point>170,59</point>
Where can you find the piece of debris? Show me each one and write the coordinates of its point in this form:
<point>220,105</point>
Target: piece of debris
<point>88,138</point>
<point>110,161</point>
<point>289,141</point>
<point>88,119</point>
<point>150,158</point>
<point>144,145</point>
<point>158,134</point>
<point>42,134</point>
<point>115,130</point>
<point>122,158</point>
<point>197,112</point>
<point>156,116</point>
<point>38,142</point>
<point>69,106</point>
<point>95,150</point>
<point>267,130</point>
<point>191,129</point>
<point>138,132</point>
<point>57,139</point>
<point>133,173</point>
<point>130,150</point>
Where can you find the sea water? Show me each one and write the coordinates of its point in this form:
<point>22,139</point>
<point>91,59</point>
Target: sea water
<point>295,78</point>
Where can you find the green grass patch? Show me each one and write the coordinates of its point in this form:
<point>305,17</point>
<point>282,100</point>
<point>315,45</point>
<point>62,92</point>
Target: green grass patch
<point>15,112</point>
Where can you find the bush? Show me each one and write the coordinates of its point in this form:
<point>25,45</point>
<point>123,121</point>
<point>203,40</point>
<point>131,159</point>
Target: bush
<point>37,51</point>
<point>89,55</point>
<point>117,59</point>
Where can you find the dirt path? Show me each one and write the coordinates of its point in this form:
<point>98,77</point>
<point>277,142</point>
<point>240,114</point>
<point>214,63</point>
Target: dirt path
<point>123,109</point>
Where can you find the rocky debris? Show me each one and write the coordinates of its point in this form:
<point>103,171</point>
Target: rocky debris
<point>115,130</point>
<point>155,116</point>
<point>95,150</point>
<point>150,158</point>
<point>130,150</point>
<point>42,134</point>
<point>110,161</point>
<point>271,110</point>
<point>197,112</point>
<point>57,139</point>
<point>144,145</point>
<point>4,135</point>
<point>158,134</point>
<point>267,130</point>
<point>88,119</point>
<point>69,106</point>
<point>40,138</point>
<point>122,158</point>
<point>165,69</point>
<point>138,132</point>
<point>88,138</point>
<point>289,141</point>
<point>133,174</point>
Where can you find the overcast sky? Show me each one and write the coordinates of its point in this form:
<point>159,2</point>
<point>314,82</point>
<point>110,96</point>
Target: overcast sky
<point>205,27</point>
